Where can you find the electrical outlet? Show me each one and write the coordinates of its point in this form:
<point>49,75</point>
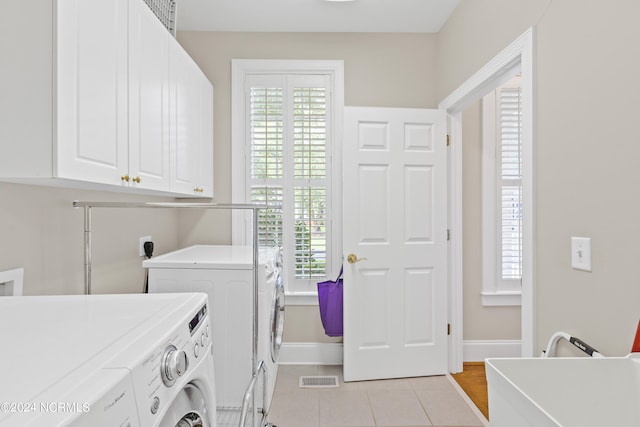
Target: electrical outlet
<point>141,246</point>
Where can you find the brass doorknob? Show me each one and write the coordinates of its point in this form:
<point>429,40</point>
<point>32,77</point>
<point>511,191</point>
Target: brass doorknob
<point>353,258</point>
<point>125,178</point>
<point>136,179</point>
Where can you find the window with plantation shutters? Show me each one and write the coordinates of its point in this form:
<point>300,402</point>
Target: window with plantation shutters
<point>288,145</point>
<point>510,183</point>
<point>502,194</point>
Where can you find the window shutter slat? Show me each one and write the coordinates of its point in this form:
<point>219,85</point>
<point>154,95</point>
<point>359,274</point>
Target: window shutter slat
<point>510,183</point>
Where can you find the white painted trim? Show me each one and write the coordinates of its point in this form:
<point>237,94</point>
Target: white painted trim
<point>300,298</point>
<point>455,244</point>
<point>528,185</point>
<point>11,282</point>
<point>501,298</point>
<point>497,71</point>
<point>478,350</point>
<point>310,353</point>
<point>517,54</point>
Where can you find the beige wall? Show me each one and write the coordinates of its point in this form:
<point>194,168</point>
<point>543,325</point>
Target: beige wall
<point>476,32</point>
<point>41,232</point>
<point>389,70</point>
<point>586,151</point>
<point>480,322</point>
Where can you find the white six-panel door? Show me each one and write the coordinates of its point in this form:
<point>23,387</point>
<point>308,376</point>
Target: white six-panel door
<point>395,225</point>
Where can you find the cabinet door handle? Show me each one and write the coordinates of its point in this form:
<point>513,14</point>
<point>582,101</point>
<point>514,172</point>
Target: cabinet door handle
<point>136,179</point>
<point>125,178</point>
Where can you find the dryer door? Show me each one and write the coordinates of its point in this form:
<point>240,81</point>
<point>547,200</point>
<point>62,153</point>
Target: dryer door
<point>277,319</point>
<point>189,409</point>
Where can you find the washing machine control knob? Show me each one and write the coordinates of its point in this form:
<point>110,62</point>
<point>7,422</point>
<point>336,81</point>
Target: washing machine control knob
<point>174,364</point>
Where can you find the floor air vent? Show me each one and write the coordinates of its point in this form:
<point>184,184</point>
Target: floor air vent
<point>318,382</point>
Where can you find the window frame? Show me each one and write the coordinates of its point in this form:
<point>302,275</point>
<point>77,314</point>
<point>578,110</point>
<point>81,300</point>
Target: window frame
<point>334,69</point>
<point>495,290</point>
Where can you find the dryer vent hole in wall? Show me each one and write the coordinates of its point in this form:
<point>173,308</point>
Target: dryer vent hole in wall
<point>318,381</point>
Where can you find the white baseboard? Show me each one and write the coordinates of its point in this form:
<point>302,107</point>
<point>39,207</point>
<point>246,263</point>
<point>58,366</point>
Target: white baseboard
<point>310,353</point>
<point>478,350</point>
<point>316,353</point>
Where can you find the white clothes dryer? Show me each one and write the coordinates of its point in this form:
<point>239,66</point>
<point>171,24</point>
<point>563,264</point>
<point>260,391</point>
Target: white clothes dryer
<point>107,360</point>
<point>225,273</point>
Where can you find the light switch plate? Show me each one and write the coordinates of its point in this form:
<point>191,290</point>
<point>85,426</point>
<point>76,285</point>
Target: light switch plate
<point>581,253</point>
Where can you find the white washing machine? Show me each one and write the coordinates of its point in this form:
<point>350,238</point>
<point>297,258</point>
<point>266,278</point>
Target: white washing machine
<point>106,360</point>
<point>225,273</point>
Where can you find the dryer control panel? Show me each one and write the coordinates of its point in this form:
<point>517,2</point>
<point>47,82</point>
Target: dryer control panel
<point>180,358</point>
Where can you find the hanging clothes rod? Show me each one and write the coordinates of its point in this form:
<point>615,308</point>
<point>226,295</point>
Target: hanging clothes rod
<point>246,206</point>
<point>177,205</point>
<point>164,205</point>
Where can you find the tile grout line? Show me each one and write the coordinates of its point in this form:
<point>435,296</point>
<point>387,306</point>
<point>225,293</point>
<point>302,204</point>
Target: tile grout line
<point>319,411</point>
<point>369,391</point>
<point>422,405</point>
<point>373,415</point>
<point>468,401</point>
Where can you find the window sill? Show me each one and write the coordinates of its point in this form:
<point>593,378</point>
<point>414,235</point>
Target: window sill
<point>510,298</point>
<point>301,298</point>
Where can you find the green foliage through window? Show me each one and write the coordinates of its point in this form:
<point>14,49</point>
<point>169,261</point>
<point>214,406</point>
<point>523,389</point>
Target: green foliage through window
<point>289,170</point>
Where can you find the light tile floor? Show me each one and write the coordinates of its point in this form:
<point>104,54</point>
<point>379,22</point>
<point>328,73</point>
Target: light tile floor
<point>416,402</point>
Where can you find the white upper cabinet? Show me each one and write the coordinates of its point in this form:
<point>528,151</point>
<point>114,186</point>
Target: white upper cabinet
<point>96,106</point>
<point>148,99</point>
<point>91,91</point>
<point>191,139</point>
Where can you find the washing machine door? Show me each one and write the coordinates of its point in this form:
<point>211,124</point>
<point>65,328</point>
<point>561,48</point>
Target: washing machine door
<point>189,409</point>
<point>277,319</point>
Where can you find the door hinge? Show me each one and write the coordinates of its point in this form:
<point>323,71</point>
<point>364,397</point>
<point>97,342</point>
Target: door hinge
<point>448,234</point>
<point>448,328</point>
<point>448,140</point>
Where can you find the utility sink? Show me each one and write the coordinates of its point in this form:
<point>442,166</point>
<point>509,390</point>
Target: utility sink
<point>567,392</point>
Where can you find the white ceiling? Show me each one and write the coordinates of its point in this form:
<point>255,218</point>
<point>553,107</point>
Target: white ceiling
<point>405,16</point>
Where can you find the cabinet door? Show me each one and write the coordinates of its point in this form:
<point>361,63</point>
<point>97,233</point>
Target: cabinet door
<point>148,99</point>
<point>191,127</point>
<point>91,102</point>
<point>184,126</point>
<point>206,157</point>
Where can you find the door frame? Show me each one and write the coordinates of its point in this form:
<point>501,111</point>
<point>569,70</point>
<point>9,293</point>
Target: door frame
<point>518,55</point>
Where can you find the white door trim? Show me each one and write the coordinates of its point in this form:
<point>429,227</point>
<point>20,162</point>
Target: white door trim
<point>518,54</point>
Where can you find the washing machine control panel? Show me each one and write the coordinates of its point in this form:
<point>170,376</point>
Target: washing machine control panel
<point>174,364</point>
<point>197,320</point>
<point>200,334</point>
<point>171,365</point>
